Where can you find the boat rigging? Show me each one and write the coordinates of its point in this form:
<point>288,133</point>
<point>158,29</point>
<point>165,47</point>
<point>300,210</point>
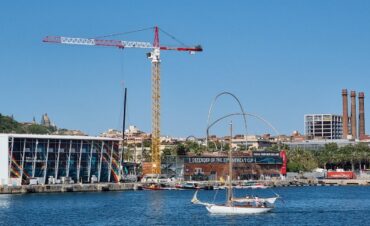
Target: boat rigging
<point>246,205</point>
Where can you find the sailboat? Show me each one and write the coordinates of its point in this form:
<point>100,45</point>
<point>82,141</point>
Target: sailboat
<point>246,205</point>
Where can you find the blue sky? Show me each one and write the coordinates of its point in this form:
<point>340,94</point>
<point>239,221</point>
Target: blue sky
<point>283,59</point>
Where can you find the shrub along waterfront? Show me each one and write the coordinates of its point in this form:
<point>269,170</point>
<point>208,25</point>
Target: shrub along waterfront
<point>349,157</point>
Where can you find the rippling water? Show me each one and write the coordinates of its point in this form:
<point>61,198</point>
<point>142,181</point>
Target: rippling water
<point>301,206</point>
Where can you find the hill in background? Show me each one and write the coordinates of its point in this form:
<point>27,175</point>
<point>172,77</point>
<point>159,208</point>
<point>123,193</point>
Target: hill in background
<point>9,125</point>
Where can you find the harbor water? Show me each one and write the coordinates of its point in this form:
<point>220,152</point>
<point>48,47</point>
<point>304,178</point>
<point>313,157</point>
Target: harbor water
<point>333,205</point>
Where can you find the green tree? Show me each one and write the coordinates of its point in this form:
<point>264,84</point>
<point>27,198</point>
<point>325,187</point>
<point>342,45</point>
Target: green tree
<point>360,153</point>
<point>294,167</point>
<point>278,147</point>
<point>180,149</point>
<point>9,125</point>
<point>147,143</point>
<point>328,154</point>
<point>213,146</point>
<point>167,151</point>
<point>194,147</point>
<point>301,160</point>
<point>344,155</point>
<point>146,155</point>
<point>37,129</point>
<point>242,147</point>
<point>225,147</point>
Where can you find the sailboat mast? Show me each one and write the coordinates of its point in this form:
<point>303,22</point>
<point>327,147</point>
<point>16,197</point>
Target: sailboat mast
<point>230,189</point>
<point>124,116</point>
<point>123,127</point>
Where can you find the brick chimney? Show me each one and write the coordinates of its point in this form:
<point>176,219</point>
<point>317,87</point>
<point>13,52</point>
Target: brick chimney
<point>361,115</point>
<point>353,115</point>
<point>345,113</point>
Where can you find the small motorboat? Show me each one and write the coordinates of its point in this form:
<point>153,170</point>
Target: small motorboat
<point>152,187</point>
<point>254,185</point>
<point>258,186</point>
<point>189,185</point>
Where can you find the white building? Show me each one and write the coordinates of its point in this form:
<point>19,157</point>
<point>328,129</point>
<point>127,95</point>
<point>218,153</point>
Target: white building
<point>253,141</point>
<point>325,126</point>
<point>53,158</point>
<point>318,145</point>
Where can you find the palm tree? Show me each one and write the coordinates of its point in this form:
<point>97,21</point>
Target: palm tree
<point>301,160</point>
<point>322,158</point>
<point>361,151</point>
<point>329,154</point>
<point>343,156</point>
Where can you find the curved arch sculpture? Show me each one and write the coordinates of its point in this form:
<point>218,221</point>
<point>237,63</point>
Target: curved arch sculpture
<point>211,108</point>
<point>249,114</point>
<point>191,136</point>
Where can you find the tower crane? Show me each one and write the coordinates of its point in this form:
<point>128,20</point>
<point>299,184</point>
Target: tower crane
<point>154,56</point>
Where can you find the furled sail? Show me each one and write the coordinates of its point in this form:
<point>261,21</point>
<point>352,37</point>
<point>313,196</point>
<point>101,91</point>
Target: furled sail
<point>256,199</point>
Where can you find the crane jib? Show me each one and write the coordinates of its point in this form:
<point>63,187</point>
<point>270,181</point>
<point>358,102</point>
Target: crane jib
<point>98,42</point>
<point>114,43</point>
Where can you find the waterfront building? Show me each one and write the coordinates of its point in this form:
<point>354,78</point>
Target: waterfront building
<point>133,135</point>
<point>325,126</point>
<point>317,145</point>
<point>246,166</point>
<point>67,132</point>
<point>254,142</point>
<point>112,133</point>
<point>49,159</point>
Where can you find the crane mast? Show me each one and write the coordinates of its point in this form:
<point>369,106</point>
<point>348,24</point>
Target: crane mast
<point>154,56</point>
<point>156,117</point>
<point>156,105</point>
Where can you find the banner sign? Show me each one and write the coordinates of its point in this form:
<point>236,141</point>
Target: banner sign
<point>210,160</point>
<point>257,153</point>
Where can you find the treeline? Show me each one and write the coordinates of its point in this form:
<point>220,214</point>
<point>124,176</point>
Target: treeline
<point>349,157</point>
<point>9,125</point>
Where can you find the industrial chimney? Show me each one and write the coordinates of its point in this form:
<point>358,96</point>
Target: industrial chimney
<point>361,115</point>
<point>353,115</point>
<point>345,113</point>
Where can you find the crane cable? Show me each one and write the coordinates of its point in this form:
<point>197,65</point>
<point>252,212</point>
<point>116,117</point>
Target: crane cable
<point>173,37</point>
<point>125,33</point>
<point>144,29</point>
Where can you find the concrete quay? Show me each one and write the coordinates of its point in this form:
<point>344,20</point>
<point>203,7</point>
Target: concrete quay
<point>344,182</point>
<point>102,187</point>
<point>59,188</point>
<point>317,182</point>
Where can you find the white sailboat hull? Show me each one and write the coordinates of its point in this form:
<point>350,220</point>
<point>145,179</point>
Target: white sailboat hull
<point>223,209</point>
<point>218,209</point>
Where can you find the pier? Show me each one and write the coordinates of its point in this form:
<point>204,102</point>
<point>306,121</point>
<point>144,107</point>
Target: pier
<point>60,188</point>
<point>104,187</point>
<point>316,182</point>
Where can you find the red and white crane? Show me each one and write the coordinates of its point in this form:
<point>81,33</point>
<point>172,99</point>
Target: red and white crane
<point>154,56</point>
